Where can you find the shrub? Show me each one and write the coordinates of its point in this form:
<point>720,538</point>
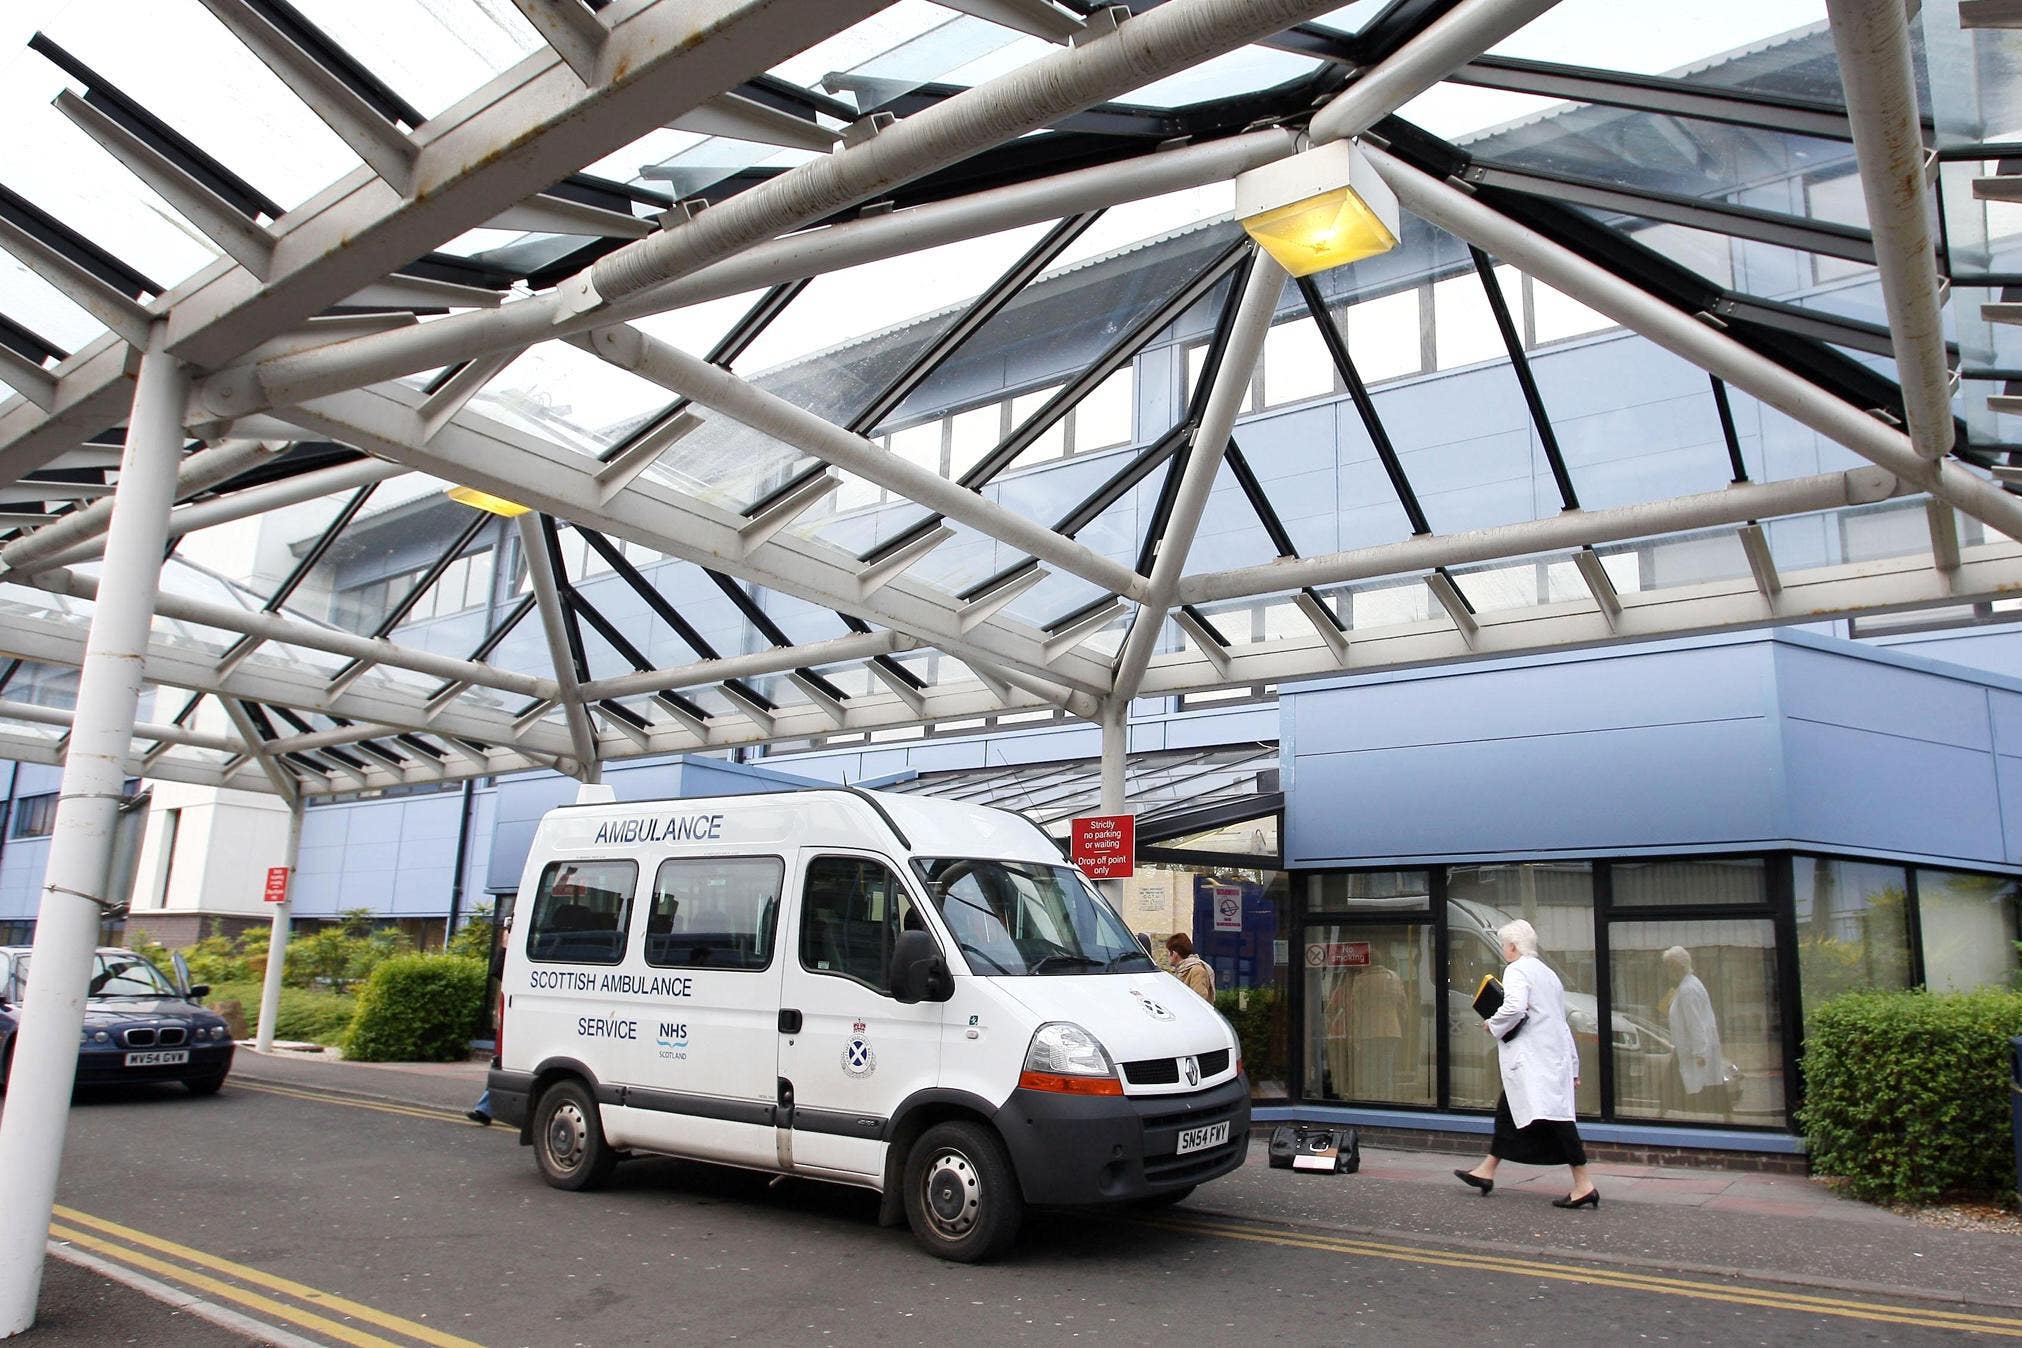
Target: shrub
<point>417,1008</point>
<point>1257,1017</point>
<point>473,939</point>
<point>310,1015</point>
<point>1907,1093</point>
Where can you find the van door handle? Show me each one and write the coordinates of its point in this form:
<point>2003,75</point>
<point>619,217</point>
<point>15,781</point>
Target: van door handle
<point>789,1020</point>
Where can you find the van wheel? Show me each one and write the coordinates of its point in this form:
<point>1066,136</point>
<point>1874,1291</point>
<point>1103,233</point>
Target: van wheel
<point>569,1139</point>
<point>962,1199</point>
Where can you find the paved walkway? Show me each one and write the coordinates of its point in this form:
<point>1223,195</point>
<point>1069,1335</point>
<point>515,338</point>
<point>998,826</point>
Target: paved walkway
<point>1738,1191</point>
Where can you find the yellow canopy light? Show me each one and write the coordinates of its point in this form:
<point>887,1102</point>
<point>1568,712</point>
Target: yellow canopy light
<point>484,500</point>
<point>1324,208</point>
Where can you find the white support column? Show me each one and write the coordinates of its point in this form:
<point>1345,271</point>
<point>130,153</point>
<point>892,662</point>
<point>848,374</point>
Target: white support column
<point>547,595</point>
<point>66,929</point>
<point>1211,442</point>
<point>1115,723</point>
<point>277,938</point>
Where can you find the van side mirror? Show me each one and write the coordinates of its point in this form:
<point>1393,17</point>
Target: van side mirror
<point>918,973</point>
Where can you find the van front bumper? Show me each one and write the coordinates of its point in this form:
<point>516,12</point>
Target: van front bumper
<point>1074,1150</point>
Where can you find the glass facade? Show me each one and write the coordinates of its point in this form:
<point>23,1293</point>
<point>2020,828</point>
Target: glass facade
<point>1702,968</point>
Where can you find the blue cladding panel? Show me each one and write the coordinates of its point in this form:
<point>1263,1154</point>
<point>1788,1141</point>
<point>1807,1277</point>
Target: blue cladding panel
<point>1863,694</point>
<point>1731,743</point>
<point>1857,789</point>
<point>1594,792</point>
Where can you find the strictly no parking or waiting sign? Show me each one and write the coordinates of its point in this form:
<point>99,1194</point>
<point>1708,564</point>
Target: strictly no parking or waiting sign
<point>1105,846</point>
<point>277,884</point>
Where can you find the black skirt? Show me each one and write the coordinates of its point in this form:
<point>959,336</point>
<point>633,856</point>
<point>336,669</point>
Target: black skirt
<point>1544,1142</point>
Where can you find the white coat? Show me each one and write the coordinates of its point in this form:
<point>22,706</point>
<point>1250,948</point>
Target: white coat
<point>1539,1065</point>
<point>1695,1037</point>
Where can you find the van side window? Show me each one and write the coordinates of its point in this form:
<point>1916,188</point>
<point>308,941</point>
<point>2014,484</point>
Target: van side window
<point>581,911</point>
<point>714,912</point>
<point>851,916</point>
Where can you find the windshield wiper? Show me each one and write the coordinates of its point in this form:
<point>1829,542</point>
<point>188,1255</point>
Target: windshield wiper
<point>1131,954</point>
<point>1082,961</point>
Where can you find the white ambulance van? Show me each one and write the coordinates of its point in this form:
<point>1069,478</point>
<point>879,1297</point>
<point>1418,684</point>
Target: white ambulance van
<point>910,995</point>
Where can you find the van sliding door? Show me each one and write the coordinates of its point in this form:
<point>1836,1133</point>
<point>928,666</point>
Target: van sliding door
<point>854,1051</point>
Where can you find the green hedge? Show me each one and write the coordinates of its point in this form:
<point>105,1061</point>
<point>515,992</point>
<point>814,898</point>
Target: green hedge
<point>311,1016</point>
<point>418,1008</point>
<point>1906,1093</point>
<point>1256,1017</point>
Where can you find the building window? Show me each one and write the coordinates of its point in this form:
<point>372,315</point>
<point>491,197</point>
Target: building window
<point>1969,929</point>
<point>1557,898</point>
<point>35,816</point>
<point>464,584</point>
<point>1853,928</point>
<point>1698,1033</point>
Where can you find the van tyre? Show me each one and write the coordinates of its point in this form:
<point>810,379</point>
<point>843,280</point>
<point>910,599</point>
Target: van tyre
<point>569,1141</point>
<point>962,1199</point>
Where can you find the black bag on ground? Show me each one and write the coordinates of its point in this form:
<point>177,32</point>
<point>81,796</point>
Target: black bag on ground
<point>1323,1148</point>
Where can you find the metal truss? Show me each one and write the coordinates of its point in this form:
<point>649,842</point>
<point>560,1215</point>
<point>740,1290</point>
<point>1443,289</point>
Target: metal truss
<point>301,327</point>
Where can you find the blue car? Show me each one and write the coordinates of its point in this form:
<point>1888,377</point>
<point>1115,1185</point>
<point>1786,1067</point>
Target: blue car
<point>138,1026</point>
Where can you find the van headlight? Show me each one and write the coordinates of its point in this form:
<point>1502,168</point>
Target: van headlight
<point>1067,1060</point>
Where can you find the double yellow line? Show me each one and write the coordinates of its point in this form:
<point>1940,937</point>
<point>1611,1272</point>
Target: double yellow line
<point>352,1102</point>
<point>229,1281</point>
<point>1802,1303</point>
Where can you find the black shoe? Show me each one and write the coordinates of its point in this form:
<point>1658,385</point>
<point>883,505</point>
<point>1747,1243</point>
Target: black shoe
<point>479,1116</point>
<point>1590,1199</point>
<point>1487,1186</point>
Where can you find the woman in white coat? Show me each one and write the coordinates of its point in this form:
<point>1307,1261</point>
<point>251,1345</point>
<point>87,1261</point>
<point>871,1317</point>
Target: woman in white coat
<point>1540,1067</point>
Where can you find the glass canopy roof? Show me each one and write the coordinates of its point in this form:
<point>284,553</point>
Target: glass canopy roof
<point>854,386</point>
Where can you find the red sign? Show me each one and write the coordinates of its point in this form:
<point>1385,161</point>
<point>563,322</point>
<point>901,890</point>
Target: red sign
<point>1337,955</point>
<point>277,884</point>
<point>1105,846</point>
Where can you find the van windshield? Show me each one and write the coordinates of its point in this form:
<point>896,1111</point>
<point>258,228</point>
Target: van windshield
<point>1026,917</point>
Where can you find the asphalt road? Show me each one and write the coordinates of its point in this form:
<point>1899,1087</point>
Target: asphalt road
<point>349,1218</point>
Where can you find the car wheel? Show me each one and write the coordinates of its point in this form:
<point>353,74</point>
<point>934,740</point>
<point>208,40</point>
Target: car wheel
<point>569,1141</point>
<point>962,1199</point>
<point>205,1085</point>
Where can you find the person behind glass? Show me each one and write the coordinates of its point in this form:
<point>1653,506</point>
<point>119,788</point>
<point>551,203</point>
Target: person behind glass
<point>1190,968</point>
<point>1540,1068</point>
<point>1701,1062</point>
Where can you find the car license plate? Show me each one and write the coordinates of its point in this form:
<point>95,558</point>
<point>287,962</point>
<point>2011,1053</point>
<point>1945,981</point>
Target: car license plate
<point>164,1057</point>
<point>1199,1139</point>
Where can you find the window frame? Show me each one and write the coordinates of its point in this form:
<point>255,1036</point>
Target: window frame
<point>808,862</point>
<point>778,906</point>
<point>625,916</point>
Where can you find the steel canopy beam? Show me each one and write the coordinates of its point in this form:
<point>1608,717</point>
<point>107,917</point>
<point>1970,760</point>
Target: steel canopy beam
<point>1161,42</point>
<point>564,484</point>
<point>723,392</point>
<point>1565,530</point>
<point>1687,336</point>
<point>526,130</point>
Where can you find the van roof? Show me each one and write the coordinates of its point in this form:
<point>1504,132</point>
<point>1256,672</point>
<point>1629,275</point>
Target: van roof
<point>921,824</point>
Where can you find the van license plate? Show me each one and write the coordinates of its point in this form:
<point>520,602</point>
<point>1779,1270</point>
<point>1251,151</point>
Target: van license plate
<point>1200,1139</point>
<point>159,1058</point>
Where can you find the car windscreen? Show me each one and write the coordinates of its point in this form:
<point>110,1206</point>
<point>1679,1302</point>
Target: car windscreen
<point>117,973</point>
<point>1028,917</point>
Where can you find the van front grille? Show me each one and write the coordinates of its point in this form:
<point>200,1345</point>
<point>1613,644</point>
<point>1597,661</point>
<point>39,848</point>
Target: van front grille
<point>1152,1072</point>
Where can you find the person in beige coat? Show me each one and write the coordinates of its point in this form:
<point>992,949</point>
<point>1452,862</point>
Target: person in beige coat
<point>1190,968</point>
